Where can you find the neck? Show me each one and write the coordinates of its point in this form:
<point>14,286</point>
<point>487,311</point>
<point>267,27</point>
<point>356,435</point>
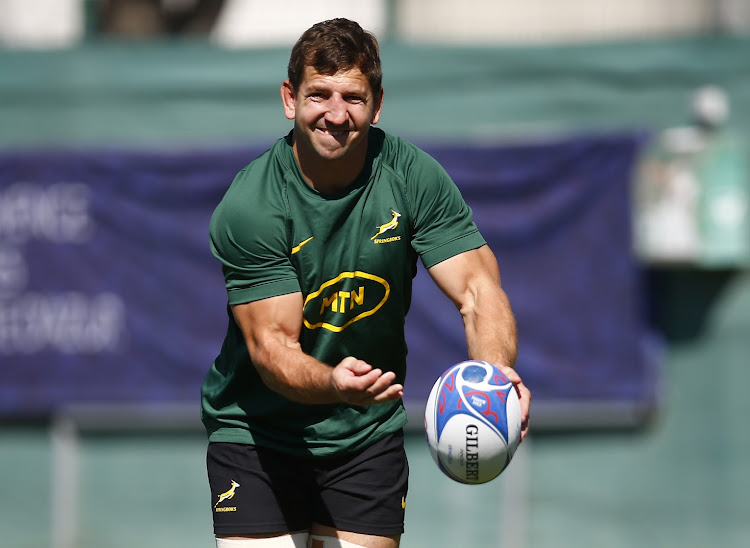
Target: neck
<point>330,176</point>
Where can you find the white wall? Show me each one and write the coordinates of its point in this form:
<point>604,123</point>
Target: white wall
<point>534,21</point>
<point>249,23</point>
<point>41,23</point>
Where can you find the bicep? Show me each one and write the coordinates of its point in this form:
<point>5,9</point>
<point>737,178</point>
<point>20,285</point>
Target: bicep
<point>252,245</point>
<point>272,321</point>
<point>460,276</point>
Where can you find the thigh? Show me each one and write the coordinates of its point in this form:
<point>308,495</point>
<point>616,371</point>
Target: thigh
<point>328,537</point>
<point>257,491</point>
<point>366,492</point>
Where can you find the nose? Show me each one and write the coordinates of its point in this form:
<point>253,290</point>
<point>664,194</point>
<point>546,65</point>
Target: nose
<point>337,112</point>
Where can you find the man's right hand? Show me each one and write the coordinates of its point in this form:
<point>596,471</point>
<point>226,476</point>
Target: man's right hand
<point>357,383</point>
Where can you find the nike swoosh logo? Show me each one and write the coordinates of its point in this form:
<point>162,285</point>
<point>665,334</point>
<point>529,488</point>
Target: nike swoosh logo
<point>297,247</point>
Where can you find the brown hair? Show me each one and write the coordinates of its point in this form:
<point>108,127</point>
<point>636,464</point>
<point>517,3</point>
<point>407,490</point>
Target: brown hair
<point>335,45</point>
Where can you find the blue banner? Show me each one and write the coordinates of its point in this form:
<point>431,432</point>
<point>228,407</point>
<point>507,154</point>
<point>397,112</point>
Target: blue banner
<point>108,291</point>
<point>558,217</point>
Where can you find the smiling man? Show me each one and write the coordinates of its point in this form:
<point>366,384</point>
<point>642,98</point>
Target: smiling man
<point>319,240</point>
<point>332,117</point>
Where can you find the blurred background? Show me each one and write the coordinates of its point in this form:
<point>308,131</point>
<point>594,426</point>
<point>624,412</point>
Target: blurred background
<point>602,146</point>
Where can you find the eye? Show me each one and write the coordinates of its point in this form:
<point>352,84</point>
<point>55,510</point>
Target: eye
<point>354,99</point>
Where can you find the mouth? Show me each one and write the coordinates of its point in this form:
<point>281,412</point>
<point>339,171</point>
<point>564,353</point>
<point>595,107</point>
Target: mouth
<point>333,132</point>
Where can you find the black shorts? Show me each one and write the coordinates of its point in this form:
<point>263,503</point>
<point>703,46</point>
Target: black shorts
<point>256,490</point>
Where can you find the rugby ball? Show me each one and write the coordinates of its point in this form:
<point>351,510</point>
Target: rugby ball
<point>473,422</point>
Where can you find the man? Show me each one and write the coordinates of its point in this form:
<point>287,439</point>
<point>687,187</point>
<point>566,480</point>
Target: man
<point>319,239</point>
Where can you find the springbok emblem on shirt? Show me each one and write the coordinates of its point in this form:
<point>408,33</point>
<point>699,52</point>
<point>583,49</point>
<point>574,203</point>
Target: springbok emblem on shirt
<point>227,494</point>
<point>390,225</point>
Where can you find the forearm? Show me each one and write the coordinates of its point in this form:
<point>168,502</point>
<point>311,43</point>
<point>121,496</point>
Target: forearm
<point>490,325</point>
<point>472,281</point>
<point>295,375</point>
<point>271,330</point>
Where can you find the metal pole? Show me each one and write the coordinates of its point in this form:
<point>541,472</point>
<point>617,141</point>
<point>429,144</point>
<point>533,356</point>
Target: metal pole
<point>514,495</point>
<point>64,496</point>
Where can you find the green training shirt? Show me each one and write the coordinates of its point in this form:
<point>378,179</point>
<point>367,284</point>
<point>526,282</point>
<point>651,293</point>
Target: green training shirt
<point>353,257</point>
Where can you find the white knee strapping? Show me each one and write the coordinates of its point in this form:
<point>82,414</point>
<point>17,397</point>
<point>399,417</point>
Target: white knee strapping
<point>297,540</point>
<point>330,542</point>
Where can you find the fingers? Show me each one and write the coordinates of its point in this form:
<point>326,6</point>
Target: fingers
<point>524,398</point>
<point>358,367</point>
<point>376,387</point>
<point>358,383</point>
<point>511,374</point>
<point>383,389</point>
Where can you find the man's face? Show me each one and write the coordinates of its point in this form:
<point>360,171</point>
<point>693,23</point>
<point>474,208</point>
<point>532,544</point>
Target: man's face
<point>332,114</point>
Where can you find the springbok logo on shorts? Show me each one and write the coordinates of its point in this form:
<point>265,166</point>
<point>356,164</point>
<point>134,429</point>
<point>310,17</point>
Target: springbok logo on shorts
<point>390,225</point>
<point>226,495</point>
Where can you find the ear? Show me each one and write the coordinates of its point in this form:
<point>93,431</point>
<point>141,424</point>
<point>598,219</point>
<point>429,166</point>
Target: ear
<point>288,99</point>
<point>378,106</point>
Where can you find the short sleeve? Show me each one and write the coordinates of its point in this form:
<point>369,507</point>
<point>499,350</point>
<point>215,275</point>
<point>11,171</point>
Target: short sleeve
<point>248,235</point>
<point>443,224</point>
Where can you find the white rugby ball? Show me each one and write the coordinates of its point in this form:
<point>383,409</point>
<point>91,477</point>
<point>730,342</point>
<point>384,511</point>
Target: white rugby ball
<point>473,422</point>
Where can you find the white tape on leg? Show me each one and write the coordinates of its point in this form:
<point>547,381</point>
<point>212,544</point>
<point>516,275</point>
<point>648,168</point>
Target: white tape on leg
<point>317,541</point>
<point>297,540</point>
